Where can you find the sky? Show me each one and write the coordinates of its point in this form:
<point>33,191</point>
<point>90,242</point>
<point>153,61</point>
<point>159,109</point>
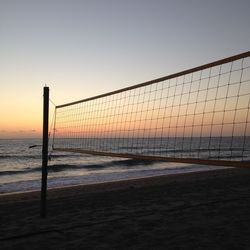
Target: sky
<point>82,48</point>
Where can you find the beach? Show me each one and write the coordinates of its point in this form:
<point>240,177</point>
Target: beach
<point>201,210</point>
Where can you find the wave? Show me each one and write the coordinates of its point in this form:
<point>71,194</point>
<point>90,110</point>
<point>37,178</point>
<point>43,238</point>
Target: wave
<point>126,164</point>
<point>193,150</point>
<point>11,172</point>
<point>33,156</point>
<point>9,156</point>
<point>121,163</point>
<point>64,167</point>
<point>39,156</point>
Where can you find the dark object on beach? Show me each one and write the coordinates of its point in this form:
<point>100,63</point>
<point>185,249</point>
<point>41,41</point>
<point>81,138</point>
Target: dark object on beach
<point>33,146</point>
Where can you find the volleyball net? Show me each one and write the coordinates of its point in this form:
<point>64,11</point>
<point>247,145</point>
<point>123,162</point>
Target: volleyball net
<point>200,115</point>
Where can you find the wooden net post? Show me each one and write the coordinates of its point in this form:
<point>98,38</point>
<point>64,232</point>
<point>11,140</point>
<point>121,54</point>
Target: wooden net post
<point>45,150</point>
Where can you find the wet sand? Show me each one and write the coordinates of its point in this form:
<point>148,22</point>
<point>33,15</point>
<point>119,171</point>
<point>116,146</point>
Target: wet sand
<point>206,210</point>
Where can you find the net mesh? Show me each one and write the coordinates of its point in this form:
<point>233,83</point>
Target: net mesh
<point>201,113</point>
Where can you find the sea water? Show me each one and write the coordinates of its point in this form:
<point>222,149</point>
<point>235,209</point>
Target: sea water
<point>20,167</point>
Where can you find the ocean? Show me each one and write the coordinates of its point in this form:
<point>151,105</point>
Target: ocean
<point>20,167</point>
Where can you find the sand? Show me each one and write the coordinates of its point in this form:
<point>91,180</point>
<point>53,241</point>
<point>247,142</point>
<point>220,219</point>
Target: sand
<point>206,210</point>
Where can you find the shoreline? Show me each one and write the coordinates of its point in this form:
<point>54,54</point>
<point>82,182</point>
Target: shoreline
<point>198,210</point>
<point>109,180</point>
<point>115,184</point>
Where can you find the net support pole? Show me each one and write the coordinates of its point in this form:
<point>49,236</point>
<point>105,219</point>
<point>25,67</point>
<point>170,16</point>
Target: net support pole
<point>45,151</point>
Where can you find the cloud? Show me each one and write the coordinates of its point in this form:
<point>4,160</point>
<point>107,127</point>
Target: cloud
<point>21,133</point>
<point>26,131</point>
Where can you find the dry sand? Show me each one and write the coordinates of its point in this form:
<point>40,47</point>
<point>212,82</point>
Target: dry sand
<point>206,210</point>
